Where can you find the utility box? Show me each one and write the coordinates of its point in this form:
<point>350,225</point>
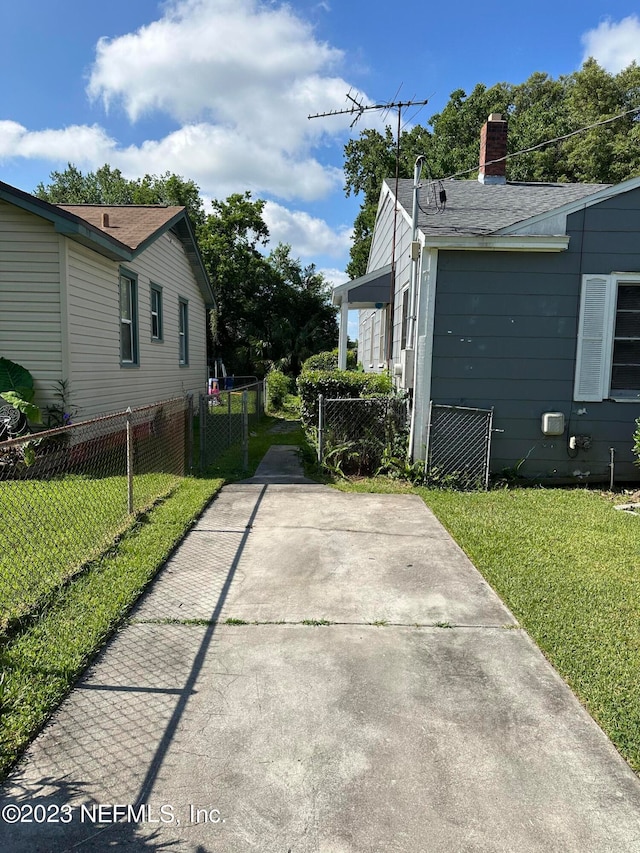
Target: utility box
<point>552,423</point>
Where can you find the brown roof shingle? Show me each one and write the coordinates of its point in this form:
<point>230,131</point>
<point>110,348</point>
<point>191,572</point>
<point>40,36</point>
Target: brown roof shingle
<point>130,224</point>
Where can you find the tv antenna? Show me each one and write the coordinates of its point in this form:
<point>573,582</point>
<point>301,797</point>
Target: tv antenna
<point>358,109</point>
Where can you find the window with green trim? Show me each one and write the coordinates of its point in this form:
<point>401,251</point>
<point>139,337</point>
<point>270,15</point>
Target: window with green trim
<point>128,320</point>
<point>183,331</point>
<point>156,312</point>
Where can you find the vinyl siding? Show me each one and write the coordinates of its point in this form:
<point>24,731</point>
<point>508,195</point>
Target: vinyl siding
<point>505,337</point>
<point>380,256</point>
<point>99,383</point>
<point>30,312</point>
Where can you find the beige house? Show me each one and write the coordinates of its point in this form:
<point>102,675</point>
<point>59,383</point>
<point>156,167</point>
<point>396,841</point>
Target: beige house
<point>111,299</point>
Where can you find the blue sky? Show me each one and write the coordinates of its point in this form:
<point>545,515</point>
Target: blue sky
<point>219,90</point>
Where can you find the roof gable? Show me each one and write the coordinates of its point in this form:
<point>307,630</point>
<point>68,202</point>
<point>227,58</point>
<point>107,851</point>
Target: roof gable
<point>131,229</point>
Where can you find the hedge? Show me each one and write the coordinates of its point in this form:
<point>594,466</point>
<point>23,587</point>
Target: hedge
<point>329,361</point>
<point>334,384</point>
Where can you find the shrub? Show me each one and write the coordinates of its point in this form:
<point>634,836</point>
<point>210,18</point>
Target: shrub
<point>335,384</point>
<point>278,387</point>
<point>329,361</point>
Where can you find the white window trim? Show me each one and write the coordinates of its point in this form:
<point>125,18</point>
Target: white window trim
<point>382,338</point>
<point>132,321</point>
<point>371,342</point>
<point>596,328</point>
<point>157,289</point>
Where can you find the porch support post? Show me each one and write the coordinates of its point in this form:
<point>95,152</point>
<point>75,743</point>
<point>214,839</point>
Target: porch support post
<point>343,334</point>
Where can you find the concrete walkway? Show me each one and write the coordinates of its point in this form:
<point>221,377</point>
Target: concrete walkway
<point>230,717</point>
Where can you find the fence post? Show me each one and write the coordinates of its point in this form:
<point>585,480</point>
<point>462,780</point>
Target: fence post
<point>265,397</point>
<point>245,430</point>
<point>203,431</point>
<point>129,462</point>
<point>229,429</point>
<point>320,427</point>
<point>190,432</point>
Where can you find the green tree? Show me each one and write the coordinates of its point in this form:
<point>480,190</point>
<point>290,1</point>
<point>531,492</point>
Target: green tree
<point>109,186</point>
<point>305,320</point>
<point>368,161</point>
<point>537,110</point>
<point>271,309</point>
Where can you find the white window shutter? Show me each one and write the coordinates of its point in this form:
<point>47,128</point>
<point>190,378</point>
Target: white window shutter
<point>594,337</point>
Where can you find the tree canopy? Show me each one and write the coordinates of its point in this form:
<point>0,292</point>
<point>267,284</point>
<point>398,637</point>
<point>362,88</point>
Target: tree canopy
<point>109,186</point>
<point>271,309</point>
<point>537,110</point>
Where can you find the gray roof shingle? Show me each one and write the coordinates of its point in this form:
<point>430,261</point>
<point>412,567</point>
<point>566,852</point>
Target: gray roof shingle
<point>473,208</point>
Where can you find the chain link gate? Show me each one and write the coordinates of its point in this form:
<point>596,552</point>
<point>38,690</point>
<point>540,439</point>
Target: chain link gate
<point>354,433</point>
<point>225,419</point>
<point>459,444</point>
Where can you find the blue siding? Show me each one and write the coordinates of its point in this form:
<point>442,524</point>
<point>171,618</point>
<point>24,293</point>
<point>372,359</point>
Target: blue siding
<point>505,337</point>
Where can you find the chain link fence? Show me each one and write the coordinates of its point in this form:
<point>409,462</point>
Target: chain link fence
<point>459,445</point>
<point>355,434</point>
<point>226,419</point>
<point>66,494</point>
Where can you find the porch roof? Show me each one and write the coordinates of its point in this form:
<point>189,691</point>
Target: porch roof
<point>369,291</point>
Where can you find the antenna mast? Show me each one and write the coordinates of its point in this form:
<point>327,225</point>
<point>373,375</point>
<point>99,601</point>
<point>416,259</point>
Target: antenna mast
<point>358,109</point>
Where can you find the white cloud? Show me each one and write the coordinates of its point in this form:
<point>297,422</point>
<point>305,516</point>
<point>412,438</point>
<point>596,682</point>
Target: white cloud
<point>614,45</point>
<point>334,276</point>
<point>241,64</point>
<point>223,161</point>
<point>239,79</point>
<point>78,144</point>
<point>308,236</point>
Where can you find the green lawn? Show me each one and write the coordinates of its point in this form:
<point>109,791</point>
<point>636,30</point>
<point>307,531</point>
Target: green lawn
<point>50,528</point>
<point>568,566</point>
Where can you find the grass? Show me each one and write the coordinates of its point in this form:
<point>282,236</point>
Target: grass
<point>568,567</point>
<point>52,528</point>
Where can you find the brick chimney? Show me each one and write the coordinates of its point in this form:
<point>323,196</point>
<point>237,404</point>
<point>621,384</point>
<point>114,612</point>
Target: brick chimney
<point>493,145</point>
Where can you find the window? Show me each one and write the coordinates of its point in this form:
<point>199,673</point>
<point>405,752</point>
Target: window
<point>608,354</point>
<point>625,370</point>
<point>128,320</point>
<point>183,331</point>
<point>156,312</point>
<point>405,317</point>
<point>381,337</point>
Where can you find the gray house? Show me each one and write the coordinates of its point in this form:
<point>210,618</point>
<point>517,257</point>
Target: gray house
<point>523,299</point>
<point>110,299</point>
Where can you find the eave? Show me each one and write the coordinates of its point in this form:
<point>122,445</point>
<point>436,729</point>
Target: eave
<point>499,243</point>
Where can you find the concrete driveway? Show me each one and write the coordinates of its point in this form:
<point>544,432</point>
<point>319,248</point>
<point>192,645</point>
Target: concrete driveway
<point>326,672</point>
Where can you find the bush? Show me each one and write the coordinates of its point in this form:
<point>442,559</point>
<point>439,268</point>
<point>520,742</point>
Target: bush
<point>336,384</point>
<point>329,361</point>
<point>278,387</point>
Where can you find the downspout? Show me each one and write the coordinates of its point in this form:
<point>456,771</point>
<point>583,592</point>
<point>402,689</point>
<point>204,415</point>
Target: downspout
<point>415,254</point>
<point>413,296</point>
